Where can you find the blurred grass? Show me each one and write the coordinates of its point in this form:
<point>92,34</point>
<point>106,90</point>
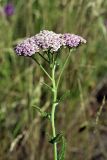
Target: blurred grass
<point>20,78</point>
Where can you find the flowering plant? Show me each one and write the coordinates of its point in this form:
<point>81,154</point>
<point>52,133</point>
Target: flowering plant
<point>50,43</point>
<point>9,9</point>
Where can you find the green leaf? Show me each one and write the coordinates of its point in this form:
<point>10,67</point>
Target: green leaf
<point>56,139</point>
<point>61,155</point>
<point>43,114</point>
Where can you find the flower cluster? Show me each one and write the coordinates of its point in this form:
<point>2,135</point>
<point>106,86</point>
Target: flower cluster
<point>27,48</point>
<point>72,40</point>
<point>47,40</point>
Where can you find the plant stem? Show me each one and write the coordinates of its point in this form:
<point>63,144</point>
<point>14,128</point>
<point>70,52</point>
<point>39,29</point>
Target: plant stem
<point>63,67</point>
<point>53,110</point>
<point>42,68</point>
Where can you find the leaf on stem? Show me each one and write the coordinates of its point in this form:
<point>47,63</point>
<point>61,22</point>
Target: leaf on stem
<point>59,138</point>
<point>56,139</point>
<point>43,114</point>
<point>61,155</point>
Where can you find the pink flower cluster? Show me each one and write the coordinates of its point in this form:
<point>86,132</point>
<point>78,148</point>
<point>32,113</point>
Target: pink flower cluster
<point>47,41</point>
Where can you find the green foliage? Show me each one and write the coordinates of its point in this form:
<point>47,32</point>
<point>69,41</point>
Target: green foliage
<point>43,114</point>
<point>61,155</point>
<point>56,139</point>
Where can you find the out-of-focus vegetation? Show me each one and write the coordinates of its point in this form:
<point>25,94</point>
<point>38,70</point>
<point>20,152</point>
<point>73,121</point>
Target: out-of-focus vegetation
<point>81,116</point>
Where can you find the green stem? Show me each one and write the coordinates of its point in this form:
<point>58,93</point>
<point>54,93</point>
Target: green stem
<point>62,70</point>
<point>42,68</point>
<point>53,110</point>
<point>43,57</point>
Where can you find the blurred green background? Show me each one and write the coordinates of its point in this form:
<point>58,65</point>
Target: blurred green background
<point>81,116</point>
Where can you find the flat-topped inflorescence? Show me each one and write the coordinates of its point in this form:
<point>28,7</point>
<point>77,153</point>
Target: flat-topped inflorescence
<point>72,40</point>
<point>47,41</point>
<point>27,47</point>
